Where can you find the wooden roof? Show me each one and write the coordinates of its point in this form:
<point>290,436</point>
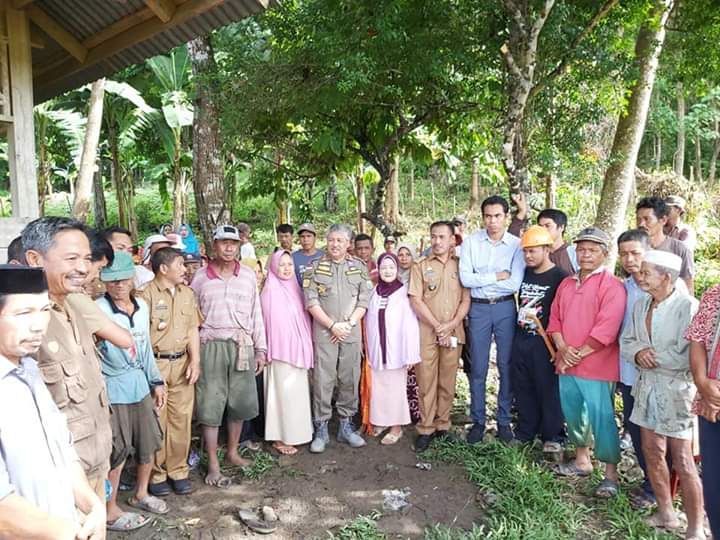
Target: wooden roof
<point>78,41</point>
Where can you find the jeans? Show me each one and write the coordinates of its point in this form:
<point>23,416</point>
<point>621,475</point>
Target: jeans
<point>487,321</point>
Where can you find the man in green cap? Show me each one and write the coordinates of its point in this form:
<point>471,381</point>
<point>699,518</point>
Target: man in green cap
<point>135,389</point>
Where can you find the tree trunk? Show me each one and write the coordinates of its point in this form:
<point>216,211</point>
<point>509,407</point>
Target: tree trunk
<point>658,151</point>
<point>392,204</point>
<point>99,199</point>
<point>628,136</point>
<point>698,160</point>
<point>360,198</point>
<point>116,175</point>
<point>550,191</point>
<point>43,166</point>
<point>714,156</point>
<point>475,185</point>
<point>208,164</point>
<point>331,196</point>
<point>177,216</point>
<point>411,181</point>
<point>83,188</point>
<point>680,151</point>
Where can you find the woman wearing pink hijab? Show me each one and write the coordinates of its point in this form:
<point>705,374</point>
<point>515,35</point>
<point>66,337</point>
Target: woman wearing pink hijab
<point>288,420</point>
<point>393,340</point>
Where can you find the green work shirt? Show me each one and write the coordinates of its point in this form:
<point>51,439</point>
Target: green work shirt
<point>338,288</point>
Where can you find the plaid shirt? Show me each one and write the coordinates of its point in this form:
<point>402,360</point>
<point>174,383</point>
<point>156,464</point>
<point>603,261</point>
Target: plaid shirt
<point>230,307</point>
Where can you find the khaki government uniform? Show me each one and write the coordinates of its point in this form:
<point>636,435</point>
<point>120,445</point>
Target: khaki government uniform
<point>439,287</point>
<point>71,370</point>
<point>338,288</point>
<point>172,317</point>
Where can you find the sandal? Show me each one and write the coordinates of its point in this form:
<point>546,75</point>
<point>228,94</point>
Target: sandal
<point>149,503</point>
<point>607,489</point>
<point>251,445</point>
<point>221,481</point>
<point>255,523</point>
<point>552,447</point>
<point>570,470</point>
<point>391,439</point>
<point>129,521</point>
<point>376,431</point>
<point>285,449</point>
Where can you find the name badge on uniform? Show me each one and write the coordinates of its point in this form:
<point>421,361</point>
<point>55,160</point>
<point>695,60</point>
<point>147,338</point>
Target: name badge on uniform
<point>432,287</point>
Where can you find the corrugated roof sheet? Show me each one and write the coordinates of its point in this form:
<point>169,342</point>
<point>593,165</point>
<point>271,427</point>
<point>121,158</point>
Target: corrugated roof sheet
<point>85,18</point>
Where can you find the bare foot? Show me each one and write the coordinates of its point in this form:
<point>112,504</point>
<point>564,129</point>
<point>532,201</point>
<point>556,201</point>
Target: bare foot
<point>235,459</point>
<point>695,534</point>
<point>664,521</point>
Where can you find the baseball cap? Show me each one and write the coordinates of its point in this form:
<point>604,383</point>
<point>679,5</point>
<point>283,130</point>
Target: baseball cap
<point>156,239</point>
<point>121,268</point>
<point>390,239</point>
<point>675,200</point>
<point>192,257</point>
<point>226,232</point>
<point>593,234</point>
<point>309,227</point>
<point>459,219</point>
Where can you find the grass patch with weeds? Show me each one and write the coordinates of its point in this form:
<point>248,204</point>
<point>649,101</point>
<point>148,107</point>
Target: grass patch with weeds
<point>361,528</point>
<point>262,464</point>
<point>524,500</point>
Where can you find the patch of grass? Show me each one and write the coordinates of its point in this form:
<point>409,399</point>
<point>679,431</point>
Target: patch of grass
<point>263,463</point>
<point>524,500</point>
<point>361,528</point>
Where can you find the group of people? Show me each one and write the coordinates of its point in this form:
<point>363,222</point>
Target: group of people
<point>103,358</point>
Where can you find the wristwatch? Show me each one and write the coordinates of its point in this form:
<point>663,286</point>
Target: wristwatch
<point>352,323</point>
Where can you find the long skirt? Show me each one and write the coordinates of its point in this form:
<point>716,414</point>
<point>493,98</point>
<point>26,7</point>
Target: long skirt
<point>388,398</point>
<point>287,404</point>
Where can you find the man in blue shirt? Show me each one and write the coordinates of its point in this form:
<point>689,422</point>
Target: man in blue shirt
<point>492,267</point>
<point>135,389</point>
<point>308,253</point>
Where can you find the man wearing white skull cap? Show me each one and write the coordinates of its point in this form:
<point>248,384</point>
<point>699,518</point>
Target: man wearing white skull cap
<point>664,389</point>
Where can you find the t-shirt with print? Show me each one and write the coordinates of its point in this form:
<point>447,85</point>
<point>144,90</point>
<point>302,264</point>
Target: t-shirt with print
<point>536,295</point>
<point>304,262</point>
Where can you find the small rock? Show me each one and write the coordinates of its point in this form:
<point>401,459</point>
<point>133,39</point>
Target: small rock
<point>269,514</point>
<point>329,467</point>
<point>395,499</point>
<point>424,466</point>
<point>267,501</point>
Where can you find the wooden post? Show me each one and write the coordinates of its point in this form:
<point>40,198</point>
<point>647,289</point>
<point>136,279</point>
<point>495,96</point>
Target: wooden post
<point>21,135</point>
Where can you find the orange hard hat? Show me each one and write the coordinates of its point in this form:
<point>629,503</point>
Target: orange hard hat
<point>536,236</point>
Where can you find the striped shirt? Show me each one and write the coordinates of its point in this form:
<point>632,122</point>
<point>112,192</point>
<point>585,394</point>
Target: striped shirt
<point>230,306</point>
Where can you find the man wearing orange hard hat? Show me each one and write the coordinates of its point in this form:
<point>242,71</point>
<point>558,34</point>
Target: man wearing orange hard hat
<point>534,381</point>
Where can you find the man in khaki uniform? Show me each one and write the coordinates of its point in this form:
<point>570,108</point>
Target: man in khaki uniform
<point>337,289</point>
<point>67,360</point>
<point>174,322</point>
<point>441,303</point>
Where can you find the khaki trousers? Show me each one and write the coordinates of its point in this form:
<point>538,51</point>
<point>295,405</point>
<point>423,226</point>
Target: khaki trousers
<point>336,364</point>
<point>436,375</point>
<point>175,422</point>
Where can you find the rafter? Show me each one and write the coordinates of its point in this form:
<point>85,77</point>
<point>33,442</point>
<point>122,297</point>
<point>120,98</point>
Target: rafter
<point>163,9</point>
<point>64,38</point>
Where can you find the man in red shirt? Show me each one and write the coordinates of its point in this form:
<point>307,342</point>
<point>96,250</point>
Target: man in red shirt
<point>585,321</point>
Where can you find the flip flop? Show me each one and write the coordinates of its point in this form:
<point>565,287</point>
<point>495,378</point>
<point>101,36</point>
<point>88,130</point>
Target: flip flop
<point>127,522</point>
<point>285,449</point>
<point>149,503</point>
<point>391,439</point>
<point>570,470</point>
<point>256,524</point>
<point>221,482</point>
<point>607,489</point>
<point>251,445</point>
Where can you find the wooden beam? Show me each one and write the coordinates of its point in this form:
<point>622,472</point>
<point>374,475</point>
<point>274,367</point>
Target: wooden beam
<point>163,9</point>
<point>118,27</point>
<point>133,35</point>
<point>21,134</point>
<point>66,40</point>
<point>20,4</point>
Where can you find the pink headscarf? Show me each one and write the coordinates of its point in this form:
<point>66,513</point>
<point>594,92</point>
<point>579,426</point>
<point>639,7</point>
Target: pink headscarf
<point>287,324</point>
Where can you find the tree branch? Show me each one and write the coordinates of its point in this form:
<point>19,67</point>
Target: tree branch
<point>510,61</point>
<point>564,63</point>
<point>514,11</point>
<point>537,26</point>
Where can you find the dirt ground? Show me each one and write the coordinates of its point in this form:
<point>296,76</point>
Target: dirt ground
<point>313,494</point>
